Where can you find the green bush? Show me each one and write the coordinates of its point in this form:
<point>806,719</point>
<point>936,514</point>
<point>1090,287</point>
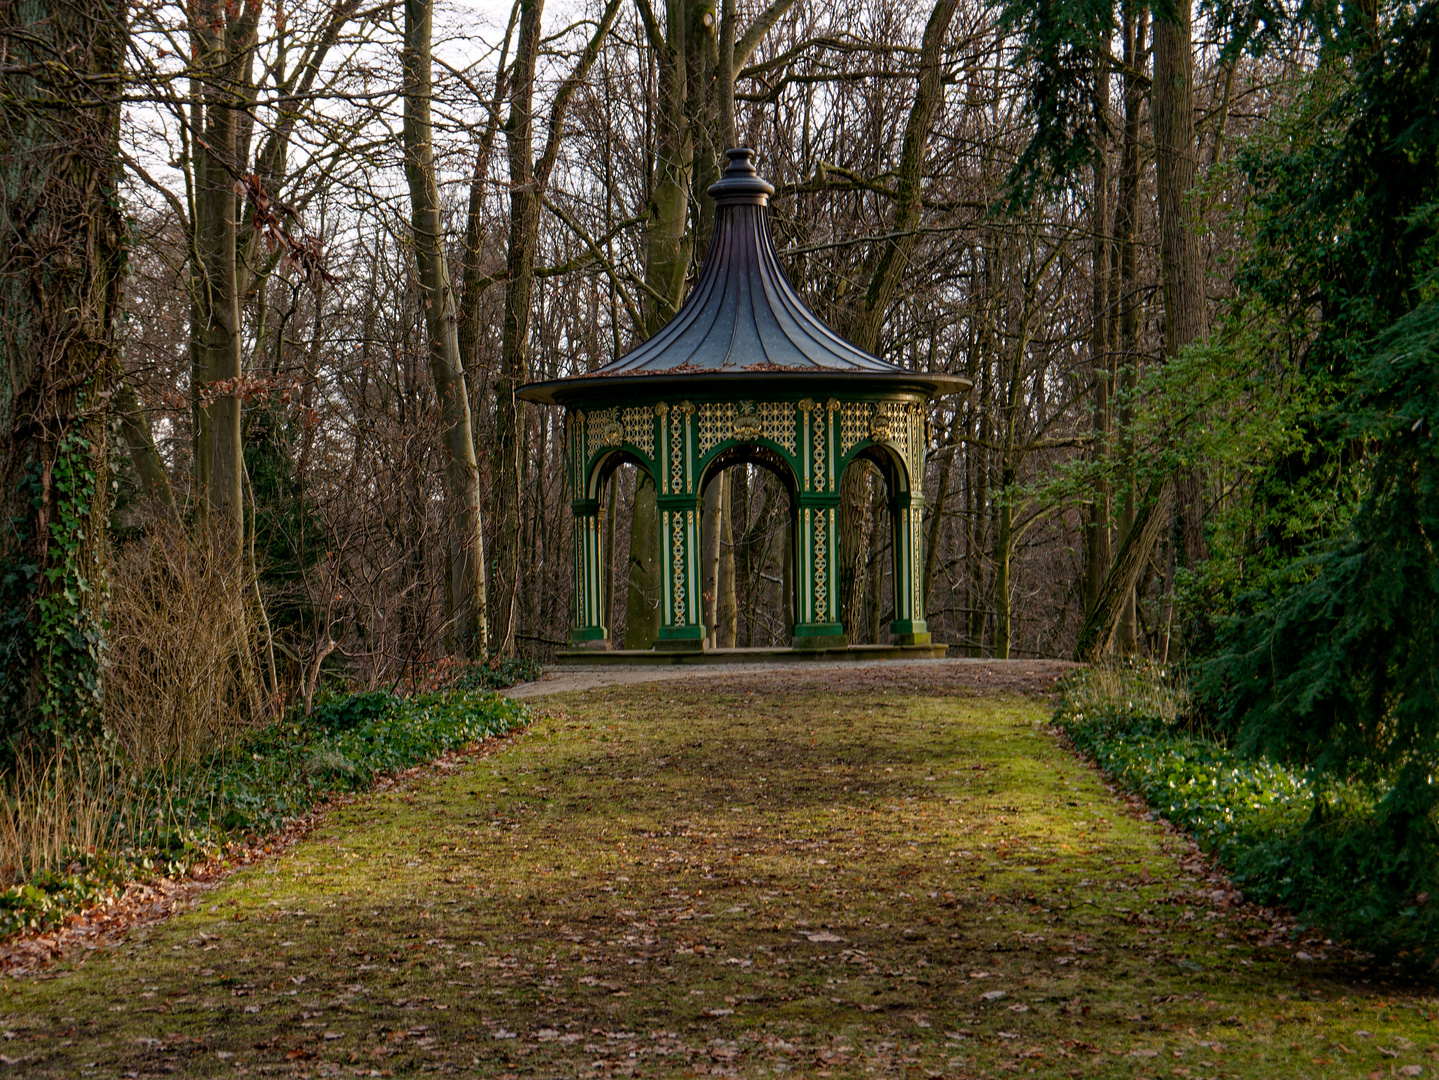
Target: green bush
<point>496,673</point>
<point>1305,840</point>
<point>168,820</point>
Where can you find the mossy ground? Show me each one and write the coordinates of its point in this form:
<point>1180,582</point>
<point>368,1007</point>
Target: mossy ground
<point>745,876</point>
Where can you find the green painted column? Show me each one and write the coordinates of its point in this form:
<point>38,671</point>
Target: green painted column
<point>906,517</point>
<point>816,533</point>
<point>817,625</point>
<point>589,628</point>
<point>682,626</point>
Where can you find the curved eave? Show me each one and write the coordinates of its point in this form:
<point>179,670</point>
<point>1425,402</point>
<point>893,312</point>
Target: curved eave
<point>611,388</point>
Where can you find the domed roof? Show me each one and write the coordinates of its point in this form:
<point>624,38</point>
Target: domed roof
<point>743,329</point>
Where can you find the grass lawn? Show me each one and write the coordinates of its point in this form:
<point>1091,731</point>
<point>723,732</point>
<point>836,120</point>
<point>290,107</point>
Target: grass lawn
<point>803,872</point>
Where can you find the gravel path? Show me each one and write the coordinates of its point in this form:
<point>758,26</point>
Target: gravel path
<point>991,676</point>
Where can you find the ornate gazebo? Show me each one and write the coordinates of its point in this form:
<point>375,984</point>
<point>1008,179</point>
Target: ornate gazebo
<point>746,373</point>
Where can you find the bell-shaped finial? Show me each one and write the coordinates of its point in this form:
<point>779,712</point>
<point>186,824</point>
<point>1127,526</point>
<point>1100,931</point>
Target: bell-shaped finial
<point>742,183</point>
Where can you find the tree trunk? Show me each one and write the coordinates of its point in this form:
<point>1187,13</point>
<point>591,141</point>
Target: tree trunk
<point>726,607</point>
<point>224,36</point>
<point>642,598</point>
<point>668,244</point>
<point>667,258</point>
<point>64,241</point>
<point>711,514</point>
<point>875,564</point>
<point>149,466</point>
<point>1136,32</point>
<point>528,179</point>
<point>1176,168</point>
<point>1097,539</point>
<point>1152,517</point>
<point>1003,555</point>
<point>979,503</point>
<point>515,344</point>
<point>472,283</point>
<point>893,261</point>
<point>466,553</point>
<point>936,509</point>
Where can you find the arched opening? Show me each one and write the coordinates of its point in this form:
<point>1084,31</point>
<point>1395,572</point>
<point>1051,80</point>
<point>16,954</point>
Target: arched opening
<point>879,557</point>
<point>749,507</point>
<point>614,484</point>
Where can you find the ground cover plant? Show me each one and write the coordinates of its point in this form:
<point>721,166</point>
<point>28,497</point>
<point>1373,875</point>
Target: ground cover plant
<point>1300,838</point>
<point>120,826</point>
<point>818,873</point>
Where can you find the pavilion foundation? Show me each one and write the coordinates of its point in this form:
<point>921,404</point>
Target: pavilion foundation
<point>661,657</point>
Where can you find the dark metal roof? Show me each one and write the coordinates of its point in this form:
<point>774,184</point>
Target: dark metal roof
<point>743,328</point>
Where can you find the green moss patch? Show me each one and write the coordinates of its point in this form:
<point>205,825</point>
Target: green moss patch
<point>166,821</point>
<point>686,879</point>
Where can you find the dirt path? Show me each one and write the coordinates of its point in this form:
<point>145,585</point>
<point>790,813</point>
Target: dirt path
<point>863,873</point>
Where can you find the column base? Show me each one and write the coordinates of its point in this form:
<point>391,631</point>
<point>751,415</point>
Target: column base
<point>924,638</point>
<point>682,639</point>
<point>819,636</point>
<point>590,637</point>
<point>910,632</point>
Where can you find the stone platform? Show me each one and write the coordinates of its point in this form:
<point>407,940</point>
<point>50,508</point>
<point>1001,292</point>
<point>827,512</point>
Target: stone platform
<point>651,658</point>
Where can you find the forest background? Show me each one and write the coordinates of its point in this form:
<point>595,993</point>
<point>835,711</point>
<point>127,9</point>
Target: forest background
<point>272,274</point>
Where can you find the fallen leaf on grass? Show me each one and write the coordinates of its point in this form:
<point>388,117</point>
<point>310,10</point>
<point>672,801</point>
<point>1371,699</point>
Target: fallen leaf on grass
<point>823,937</point>
<point>993,995</point>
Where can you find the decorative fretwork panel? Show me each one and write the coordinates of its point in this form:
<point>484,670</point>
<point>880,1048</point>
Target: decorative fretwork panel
<point>819,454</point>
<point>777,419</point>
<point>677,452</point>
<point>716,424</point>
<point>889,422</point>
<point>610,427</point>
<point>640,429</point>
<point>598,424</point>
<point>853,424</point>
<point>821,567</point>
<point>677,564</point>
<point>773,420</point>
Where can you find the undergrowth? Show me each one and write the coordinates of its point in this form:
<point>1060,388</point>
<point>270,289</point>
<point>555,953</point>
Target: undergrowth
<point>123,826</point>
<point>1301,839</point>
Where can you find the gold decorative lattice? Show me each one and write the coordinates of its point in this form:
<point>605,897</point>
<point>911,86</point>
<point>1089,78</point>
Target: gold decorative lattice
<point>677,453</point>
<point>916,443</point>
<point>821,568</point>
<point>595,429</point>
<point>889,422</point>
<point>677,564</point>
<point>716,424</point>
<point>853,424</point>
<point>719,421</point>
<point>916,562</point>
<point>640,429</point>
<point>820,435</point>
<point>777,419</point>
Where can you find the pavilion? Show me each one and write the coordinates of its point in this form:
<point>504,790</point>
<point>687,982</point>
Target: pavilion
<point>744,372</point>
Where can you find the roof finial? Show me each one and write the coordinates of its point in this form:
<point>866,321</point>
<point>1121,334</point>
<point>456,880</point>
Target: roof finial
<point>742,182</point>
